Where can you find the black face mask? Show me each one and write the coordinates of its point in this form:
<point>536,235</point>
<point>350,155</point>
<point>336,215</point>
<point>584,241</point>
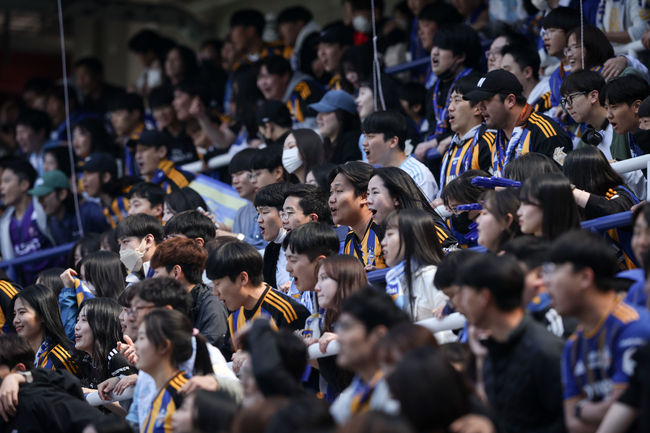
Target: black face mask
<point>461,222</point>
<point>642,139</point>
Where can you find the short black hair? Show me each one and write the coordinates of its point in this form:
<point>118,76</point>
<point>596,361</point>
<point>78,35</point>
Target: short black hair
<point>441,13</point>
<point>248,18</point>
<point>242,161</point>
<point>37,120</point>
<point>192,224</point>
<point>145,40</point>
<point>164,291</point>
<point>233,258</point>
<point>275,65</point>
<point>21,168</point>
<point>584,249</point>
<point>464,85</point>
<point>93,64</point>
<point>388,123</point>
<point>462,189</point>
<point>313,239</point>
<point>294,14</point>
<point>501,275</point>
<point>564,18</point>
<point>139,226</point>
<point>269,158</point>
<point>447,272</point>
<point>15,350</point>
<point>460,39</point>
<point>311,200</point>
<point>162,96</point>
<point>582,81</point>
<point>413,93</point>
<point>529,250</point>
<point>625,89</point>
<point>525,55</point>
<point>272,195</point>
<point>356,172</point>
<point>126,101</point>
<point>374,308</point>
<point>149,191</point>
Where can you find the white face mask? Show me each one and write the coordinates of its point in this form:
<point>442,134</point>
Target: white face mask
<point>132,259</point>
<point>291,159</point>
<point>361,24</point>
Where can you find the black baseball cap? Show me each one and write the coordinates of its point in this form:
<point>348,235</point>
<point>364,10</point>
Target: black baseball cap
<point>152,138</point>
<point>337,33</point>
<point>274,112</point>
<point>101,162</point>
<point>498,81</point>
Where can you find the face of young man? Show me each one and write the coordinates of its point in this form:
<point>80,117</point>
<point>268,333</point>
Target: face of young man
<point>164,115</point>
<point>509,64</point>
<point>554,41</point>
<point>52,202</point>
<point>124,121</point>
<point>494,112</point>
<point>344,205</point>
<point>272,86</point>
<point>494,56</point>
<point>229,292</point>
<point>623,117</point>
<point>355,344</point>
<point>330,56</point>
<point>28,139</point>
<point>182,102</point>
<point>241,181</point>
<point>139,205</point>
<point>268,218</point>
<point>11,188</point>
<point>563,285</point>
<point>263,176</point>
<point>443,60</point>
<point>473,303</point>
<point>462,116</point>
<point>302,270</point>
<point>293,215</point>
<point>148,158</point>
<point>378,149</point>
<point>426,32</point>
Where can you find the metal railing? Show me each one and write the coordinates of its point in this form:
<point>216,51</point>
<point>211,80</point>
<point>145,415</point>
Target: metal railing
<point>11,264</point>
<point>407,66</point>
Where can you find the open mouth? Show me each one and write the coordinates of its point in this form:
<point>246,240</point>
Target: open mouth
<point>374,211</point>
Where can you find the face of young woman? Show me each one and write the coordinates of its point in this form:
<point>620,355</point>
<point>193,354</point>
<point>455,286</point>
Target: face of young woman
<point>83,335</point>
<point>391,248</point>
<point>530,218</point>
<point>148,355</point>
<point>326,288</point>
<point>365,103</point>
<point>640,237</point>
<point>380,202</point>
<point>328,125</point>
<point>26,321</point>
<point>490,229</point>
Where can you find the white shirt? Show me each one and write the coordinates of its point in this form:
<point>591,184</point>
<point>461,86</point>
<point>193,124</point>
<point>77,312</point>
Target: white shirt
<point>422,176</point>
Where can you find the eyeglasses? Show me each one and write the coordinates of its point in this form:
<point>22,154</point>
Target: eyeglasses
<point>133,311</point>
<point>570,49</point>
<point>493,53</point>
<point>568,100</point>
<point>286,214</point>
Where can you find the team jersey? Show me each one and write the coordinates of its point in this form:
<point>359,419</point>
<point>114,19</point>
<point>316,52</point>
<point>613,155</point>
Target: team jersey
<point>167,401</point>
<point>8,290</point>
<point>595,363</point>
<point>26,238</point>
<point>543,103</point>
<point>281,310</point>
<point>304,93</point>
<point>171,178</point>
<point>55,358</point>
<point>368,249</point>
<point>535,133</point>
<point>117,211</point>
<point>335,83</point>
<point>472,151</point>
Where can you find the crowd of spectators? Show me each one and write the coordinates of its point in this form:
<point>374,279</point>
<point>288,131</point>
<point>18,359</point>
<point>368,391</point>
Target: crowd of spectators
<point>380,203</point>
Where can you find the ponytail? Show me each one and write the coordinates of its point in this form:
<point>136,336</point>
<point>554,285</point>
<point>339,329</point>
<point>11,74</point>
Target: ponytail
<point>202,362</point>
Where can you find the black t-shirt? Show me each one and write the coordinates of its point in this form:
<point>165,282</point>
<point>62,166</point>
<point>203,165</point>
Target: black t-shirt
<point>116,365</point>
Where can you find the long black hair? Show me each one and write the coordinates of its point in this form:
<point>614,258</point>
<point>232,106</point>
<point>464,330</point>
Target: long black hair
<point>163,325</point>
<point>348,122</point>
<point>552,192</point>
<point>105,271</point>
<point>529,165</point>
<point>500,204</point>
<point>103,317</point>
<point>403,189</point>
<point>588,169</point>
<point>418,240</point>
<point>44,303</point>
<point>184,199</point>
<point>310,147</point>
<point>100,139</point>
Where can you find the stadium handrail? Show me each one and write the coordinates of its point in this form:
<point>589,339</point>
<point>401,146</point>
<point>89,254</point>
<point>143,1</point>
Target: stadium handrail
<point>38,255</point>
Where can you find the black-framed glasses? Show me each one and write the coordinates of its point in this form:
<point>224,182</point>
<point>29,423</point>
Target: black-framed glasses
<point>568,100</point>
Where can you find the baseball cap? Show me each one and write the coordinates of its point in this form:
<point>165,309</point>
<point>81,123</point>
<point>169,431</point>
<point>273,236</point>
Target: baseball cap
<point>50,181</point>
<point>337,34</point>
<point>644,108</point>
<point>102,163</point>
<point>499,81</point>
<point>335,100</point>
<point>274,112</point>
<point>152,138</point>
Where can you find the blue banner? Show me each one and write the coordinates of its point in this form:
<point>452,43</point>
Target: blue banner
<point>221,198</point>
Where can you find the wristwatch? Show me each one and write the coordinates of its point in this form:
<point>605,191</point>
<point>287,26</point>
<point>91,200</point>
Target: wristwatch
<point>27,375</point>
